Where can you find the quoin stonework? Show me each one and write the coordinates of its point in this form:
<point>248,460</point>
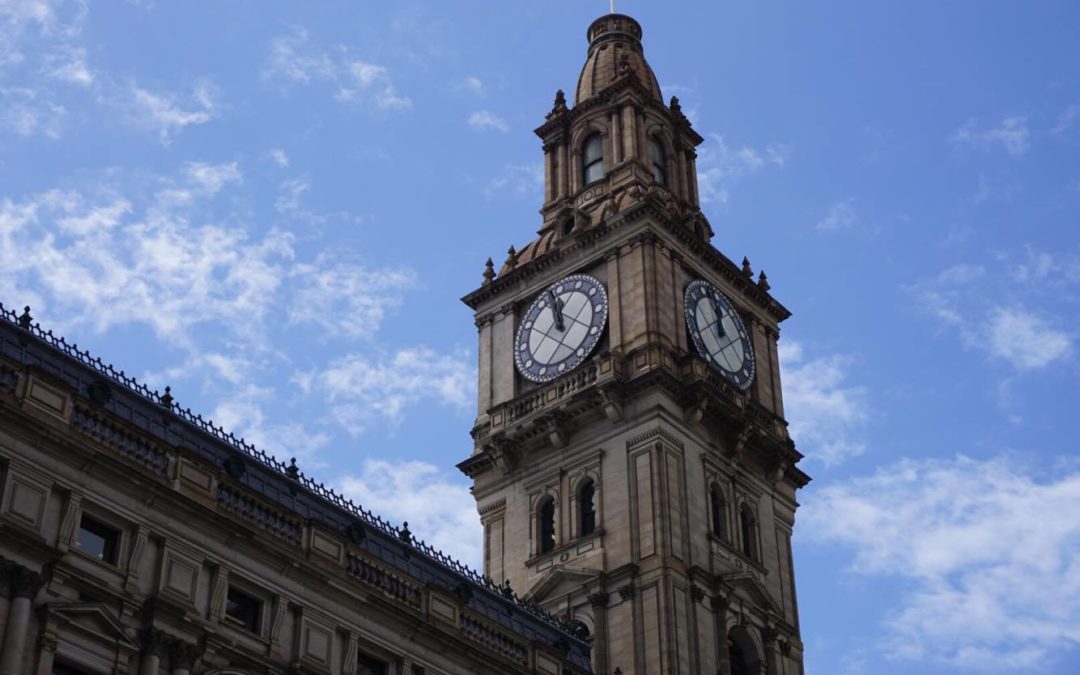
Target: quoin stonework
<point>631,466</point>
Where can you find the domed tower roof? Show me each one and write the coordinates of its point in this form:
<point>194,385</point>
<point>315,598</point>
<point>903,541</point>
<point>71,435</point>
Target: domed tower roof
<point>614,48</point>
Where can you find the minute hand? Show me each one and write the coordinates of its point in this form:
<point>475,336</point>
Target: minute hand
<point>556,308</point>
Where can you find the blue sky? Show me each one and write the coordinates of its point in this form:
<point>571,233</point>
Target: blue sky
<point>274,208</point>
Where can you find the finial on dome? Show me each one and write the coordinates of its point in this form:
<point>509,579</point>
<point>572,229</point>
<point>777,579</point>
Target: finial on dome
<point>489,272</point>
<point>511,258</point>
<point>763,281</point>
<point>746,269</point>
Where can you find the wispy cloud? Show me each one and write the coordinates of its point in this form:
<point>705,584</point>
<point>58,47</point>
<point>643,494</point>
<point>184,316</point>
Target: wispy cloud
<point>362,390</point>
<point>167,113</point>
<point>721,166</point>
<point>517,179</point>
<point>278,156</point>
<point>440,512</point>
<point>473,84</point>
<point>841,216</point>
<point>1005,311</point>
<point>977,544</point>
<point>1067,119</point>
<point>69,65</point>
<point>483,120</point>
<point>825,410</point>
<point>1011,135</point>
<point>29,112</point>
<point>293,61</point>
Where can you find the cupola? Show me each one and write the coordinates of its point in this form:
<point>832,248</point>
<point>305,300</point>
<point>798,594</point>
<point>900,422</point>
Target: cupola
<point>614,50</point>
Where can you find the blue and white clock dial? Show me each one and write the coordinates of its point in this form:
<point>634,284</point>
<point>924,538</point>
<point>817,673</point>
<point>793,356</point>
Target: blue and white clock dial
<point>718,333</point>
<point>561,328</point>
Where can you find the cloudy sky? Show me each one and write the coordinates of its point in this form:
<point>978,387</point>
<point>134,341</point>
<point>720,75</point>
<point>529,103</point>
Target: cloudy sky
<point>274,207</point>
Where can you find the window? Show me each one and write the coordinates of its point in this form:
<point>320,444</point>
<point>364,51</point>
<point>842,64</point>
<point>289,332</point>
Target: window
<point>749,532</point>
<point>546,516</point>
<point>659,161</point>
<point>717,511</point>
<point>60,668</point>
<point>98,540</point>
<point>369,666</point>
<point>592,159</point>
<point>244,610</point>
<point>587,506</point>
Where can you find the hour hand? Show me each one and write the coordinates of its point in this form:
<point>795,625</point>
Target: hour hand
<point>556,309</point>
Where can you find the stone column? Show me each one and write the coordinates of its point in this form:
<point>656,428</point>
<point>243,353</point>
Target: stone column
<point>183,656</point>
<point>723,653</point>
<point>629,131</point>
<point>616,138</point>
<point>562,170</point>
<point>154,642</point>
<point>549,174</point>
<point>6,567</point>
<point>681,183</point>
<point>769,635</point>
<point>599,602</point>
<point>25,585</point>
<point>47,643</point>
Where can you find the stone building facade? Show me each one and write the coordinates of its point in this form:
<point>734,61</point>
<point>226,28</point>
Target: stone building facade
<point>632,465</point>
<point>136,537</point>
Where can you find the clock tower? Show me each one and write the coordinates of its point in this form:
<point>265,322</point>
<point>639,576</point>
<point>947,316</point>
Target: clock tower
<point>631,462</point>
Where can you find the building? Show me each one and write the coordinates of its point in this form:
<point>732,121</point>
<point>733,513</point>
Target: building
<point>632,467</point>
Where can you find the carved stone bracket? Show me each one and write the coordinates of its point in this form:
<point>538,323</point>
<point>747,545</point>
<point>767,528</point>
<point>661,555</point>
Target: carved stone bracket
<point>183,655</point>
<point>25,583</point>
<point>154,642</point>
<point>599,599</point>
<point>626,592</point>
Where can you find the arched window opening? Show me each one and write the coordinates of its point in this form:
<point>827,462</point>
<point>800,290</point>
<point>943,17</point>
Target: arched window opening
<point>659,161</point>
<point>580,630</point>
<point>587,506</point>
<point>592,159</point>
<point>718,508</point>
<point>568,226</point>
<point>749,532</point>
<point>546,516</point>
<point>742,654</point>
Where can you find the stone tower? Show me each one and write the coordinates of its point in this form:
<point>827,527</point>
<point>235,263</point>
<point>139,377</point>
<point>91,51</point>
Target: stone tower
<point>632,466</point>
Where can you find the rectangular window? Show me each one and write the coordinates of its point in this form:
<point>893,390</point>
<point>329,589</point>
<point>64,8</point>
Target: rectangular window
<point>369,666</point>
<point>98,540</point>
<point>61,668</point>
<point>244,610</point>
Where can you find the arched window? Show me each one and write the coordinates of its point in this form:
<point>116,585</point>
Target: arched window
<point>659,161</point>
<point>587,507</point>
<point>742,654</point>
<point>749,532</point>
<point>592,159</point>
<point>718,510</point>
<point>546,524</point>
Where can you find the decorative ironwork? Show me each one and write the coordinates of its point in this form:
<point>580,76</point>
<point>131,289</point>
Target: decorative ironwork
<point>156,459</point>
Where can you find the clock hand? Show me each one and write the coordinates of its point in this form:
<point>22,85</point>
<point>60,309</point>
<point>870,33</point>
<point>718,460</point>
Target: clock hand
<point>556,308</point>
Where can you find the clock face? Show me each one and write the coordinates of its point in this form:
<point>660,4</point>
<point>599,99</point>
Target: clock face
<point>561,328</point>
<point>718,332</point>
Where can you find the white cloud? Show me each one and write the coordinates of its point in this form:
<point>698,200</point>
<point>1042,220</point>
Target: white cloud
<point>721,166</point>
<point>362,390</point>
<point>517,179</point>
<point>473,84</point>
<point>1007,314</point>
<point>439,511</point>
<point>1012,135</point>
<point>1067,119</point>
<point>1024,340</point>
<point>977,545</point>
<point>824,410</point>
<point>166,115</point>
<point>841,216</point>
<point>211,178</point>
<point>482,120</point>
<point>69,65</point>
<point>27,112</point>
<point>278,156</point>
<point>344,299</point>
<point>292,60</point>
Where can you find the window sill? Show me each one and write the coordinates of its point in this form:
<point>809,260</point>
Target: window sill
<point>565,548</point>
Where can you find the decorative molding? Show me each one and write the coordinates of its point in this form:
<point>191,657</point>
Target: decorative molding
<point>656,432</point>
